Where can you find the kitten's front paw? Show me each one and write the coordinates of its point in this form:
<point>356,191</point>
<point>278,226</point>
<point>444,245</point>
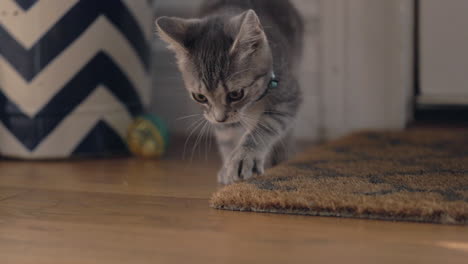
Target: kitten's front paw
<point>242,165</point>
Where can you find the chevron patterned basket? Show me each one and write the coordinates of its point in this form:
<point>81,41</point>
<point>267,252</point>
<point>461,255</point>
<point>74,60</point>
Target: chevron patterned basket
<point>73,74</point>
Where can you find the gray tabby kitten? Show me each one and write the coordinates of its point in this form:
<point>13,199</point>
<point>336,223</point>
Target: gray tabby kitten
<point>239,61</point>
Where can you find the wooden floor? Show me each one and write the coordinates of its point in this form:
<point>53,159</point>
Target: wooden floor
<point>134,211</point>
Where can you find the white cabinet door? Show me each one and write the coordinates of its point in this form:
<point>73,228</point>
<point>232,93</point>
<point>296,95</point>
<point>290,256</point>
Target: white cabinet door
<point>444,52</point>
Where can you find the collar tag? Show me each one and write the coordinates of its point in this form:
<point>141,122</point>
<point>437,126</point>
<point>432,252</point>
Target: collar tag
<point>274,83</point>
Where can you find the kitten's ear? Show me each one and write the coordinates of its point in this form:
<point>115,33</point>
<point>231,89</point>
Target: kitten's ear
<point>250,35</point>
<point>174,31</point>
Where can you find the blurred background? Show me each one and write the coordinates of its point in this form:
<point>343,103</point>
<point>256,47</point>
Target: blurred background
<point>367,64</point>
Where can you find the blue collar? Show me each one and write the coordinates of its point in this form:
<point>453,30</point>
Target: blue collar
<point>274,83</point>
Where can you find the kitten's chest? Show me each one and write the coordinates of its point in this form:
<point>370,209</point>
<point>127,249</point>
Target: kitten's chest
<point>253,116</point>
<point>250,120</point>
<point>230,134</point>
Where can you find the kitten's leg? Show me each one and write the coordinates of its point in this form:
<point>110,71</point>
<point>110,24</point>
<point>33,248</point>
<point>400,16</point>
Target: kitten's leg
<point>281,151</point>
<point>273,124</point>
<point>227,138</point>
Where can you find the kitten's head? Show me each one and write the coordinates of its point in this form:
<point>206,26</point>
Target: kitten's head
<point>226,62</point>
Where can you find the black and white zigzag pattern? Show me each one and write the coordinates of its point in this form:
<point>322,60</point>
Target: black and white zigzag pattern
<point>93,55</point>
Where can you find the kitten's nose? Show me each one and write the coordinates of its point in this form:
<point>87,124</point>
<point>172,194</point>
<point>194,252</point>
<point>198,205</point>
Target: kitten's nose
<point>220,117</point>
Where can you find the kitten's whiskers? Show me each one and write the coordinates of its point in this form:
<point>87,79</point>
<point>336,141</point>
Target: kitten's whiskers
<point>194,126</point>
<point>199,138</point>
<point>187,117</point>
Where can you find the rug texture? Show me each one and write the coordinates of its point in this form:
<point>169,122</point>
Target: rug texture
<point>401,176</point>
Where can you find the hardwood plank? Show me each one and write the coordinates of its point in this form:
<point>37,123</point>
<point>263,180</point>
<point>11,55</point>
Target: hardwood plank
<point>136,211</point>
<point>171,177</point>
<point>52,226</point>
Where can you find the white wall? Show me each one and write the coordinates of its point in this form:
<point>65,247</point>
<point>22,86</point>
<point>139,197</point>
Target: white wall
<point>444,56</point>
<point>309,117</point>
<point>367,64</point>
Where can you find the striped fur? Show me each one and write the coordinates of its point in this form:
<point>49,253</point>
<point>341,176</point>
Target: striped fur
<point>233,50</point>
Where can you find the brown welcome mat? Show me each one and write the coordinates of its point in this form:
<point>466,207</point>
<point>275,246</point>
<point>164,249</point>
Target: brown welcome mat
<point>405,176</point>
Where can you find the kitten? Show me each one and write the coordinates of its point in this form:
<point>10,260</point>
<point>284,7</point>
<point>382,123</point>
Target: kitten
<point>239,62</point>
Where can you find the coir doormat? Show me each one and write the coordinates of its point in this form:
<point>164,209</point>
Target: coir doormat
<point>402,176</point>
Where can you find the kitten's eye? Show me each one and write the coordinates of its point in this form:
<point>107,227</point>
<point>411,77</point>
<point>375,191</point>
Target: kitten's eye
<point>236,96</point>
<point>200,98</point>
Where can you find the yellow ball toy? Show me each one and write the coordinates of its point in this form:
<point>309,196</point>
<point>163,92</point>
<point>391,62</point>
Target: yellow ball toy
<point>147,137</point>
